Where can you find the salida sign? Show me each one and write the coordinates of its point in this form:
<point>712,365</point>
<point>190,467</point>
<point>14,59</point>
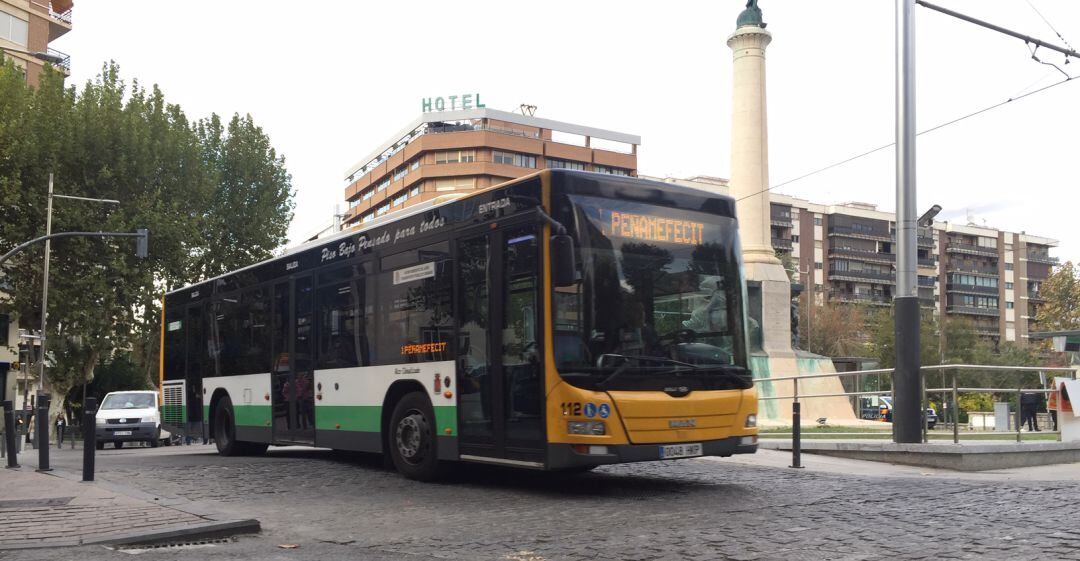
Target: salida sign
<point>451,103</point>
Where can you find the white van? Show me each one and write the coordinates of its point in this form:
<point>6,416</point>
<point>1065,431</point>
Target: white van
<point>133,416</point>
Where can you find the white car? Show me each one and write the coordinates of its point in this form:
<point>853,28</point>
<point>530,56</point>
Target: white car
<point>133,416</point>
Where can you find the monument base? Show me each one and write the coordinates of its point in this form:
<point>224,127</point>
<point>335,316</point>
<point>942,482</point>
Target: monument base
<point>765,366</point>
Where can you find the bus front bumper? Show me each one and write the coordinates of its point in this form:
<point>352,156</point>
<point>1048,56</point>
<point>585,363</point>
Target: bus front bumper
<point>565,456</point>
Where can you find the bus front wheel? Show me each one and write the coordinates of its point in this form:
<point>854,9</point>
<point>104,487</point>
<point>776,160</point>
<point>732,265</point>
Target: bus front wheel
<point>412,442</point>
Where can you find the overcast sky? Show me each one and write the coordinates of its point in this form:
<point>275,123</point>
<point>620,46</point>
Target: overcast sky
<point>330,81</point>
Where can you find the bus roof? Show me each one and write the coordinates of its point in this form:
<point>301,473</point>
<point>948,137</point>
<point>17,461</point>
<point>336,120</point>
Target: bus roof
<point>448,199</point>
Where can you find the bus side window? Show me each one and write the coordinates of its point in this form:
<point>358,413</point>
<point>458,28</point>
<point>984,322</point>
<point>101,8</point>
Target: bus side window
<point>416,314</point>
<point>343,331</point>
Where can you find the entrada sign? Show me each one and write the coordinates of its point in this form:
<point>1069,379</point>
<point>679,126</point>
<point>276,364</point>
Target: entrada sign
<point>451,103</point>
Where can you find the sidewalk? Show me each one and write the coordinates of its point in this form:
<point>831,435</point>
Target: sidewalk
<point>56,509</point>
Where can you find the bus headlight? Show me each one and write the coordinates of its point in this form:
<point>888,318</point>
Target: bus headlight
<point>586,427</point>
<point>751,421</point>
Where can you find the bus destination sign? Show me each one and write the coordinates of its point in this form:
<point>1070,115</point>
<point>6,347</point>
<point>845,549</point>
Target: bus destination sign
<point>653,228</point>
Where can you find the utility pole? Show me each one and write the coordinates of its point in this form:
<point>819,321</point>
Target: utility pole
<point>907,377</point>
<point>45,283</point>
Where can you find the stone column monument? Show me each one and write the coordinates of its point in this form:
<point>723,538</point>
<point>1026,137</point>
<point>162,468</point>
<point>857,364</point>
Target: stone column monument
<point>750,179</point>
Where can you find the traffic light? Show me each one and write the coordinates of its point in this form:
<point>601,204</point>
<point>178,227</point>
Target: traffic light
<point>142,243</point>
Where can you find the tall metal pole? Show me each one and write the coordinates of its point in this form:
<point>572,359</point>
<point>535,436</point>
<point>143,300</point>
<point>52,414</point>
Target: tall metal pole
<point>45,282</point>
<point>906,383</point>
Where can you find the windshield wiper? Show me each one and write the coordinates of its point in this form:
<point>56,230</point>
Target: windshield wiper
<point>626,365</point>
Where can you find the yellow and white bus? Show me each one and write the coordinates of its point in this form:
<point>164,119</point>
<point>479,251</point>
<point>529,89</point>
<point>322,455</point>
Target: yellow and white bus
<point>563,320</point>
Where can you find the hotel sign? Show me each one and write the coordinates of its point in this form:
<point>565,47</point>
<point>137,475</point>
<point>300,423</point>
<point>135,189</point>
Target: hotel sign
<point>451,103</point>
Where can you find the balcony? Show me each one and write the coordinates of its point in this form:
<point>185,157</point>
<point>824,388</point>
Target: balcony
<point>65,60</point>
<point>983,271</point>
<point>973,311</point>
<point>987,331</point>
<point>970,249</point>
<point>863,255</point>
<point>971,289</point>
<point>781,222</point>
<point>925,241</point>
<point>928,302</point>
<point>927,281</point>
<point>872,299</point>
<point>1035,297</point>
<point>927,262</point>
<point>860,234</point>
<point>783,244</point>
<point>1045,259</point>
<point>862,276</point>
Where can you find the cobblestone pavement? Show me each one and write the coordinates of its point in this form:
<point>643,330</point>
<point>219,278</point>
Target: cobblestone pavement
<point>345,507</point>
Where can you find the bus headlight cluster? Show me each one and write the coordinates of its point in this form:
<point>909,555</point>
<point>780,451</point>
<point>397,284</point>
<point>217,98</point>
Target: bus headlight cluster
<point>751,421</point>
<point>586,427</point>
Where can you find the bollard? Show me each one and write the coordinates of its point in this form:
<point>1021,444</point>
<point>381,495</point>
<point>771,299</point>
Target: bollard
<point>42,430</point>
<point>89,438</point>
<point>796,436</point>
<point>10,436</point>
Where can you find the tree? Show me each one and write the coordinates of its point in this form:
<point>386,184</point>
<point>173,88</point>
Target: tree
<point>1061,289</point>
<point>214,199</point>
<point>835,329</point>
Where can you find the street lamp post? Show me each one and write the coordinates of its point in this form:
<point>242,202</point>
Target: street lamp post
<point>45,269</point>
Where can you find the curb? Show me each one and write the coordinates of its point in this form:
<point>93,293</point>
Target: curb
<point>210,530</point>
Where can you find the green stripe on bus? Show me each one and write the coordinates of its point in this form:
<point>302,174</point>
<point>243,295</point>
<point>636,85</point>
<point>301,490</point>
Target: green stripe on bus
<point>446,418</point>
<point>362,418</point>
<point>368,418</point>
<point>252,415</point>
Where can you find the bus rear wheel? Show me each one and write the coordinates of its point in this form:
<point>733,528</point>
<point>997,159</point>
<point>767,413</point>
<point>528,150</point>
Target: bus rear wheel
<point>225,433</point>
<point>412,441</point>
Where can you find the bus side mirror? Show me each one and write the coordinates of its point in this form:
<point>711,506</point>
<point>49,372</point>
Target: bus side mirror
<point>563,264</point>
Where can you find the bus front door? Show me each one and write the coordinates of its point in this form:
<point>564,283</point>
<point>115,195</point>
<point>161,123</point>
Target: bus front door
<point>500,379</point>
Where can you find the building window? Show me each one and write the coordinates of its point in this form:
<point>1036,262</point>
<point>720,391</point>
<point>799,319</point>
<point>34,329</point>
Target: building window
<point>1008,266</point>
<point>13,29</point>
<point>610,170</point>
<point>455,156</point>
<point>795,238</point>
<point>400,172</point>
<point>400,199</point>
<point>383,185</point>
<point>1008,305</point>
<point>354,203</point>
<point>367,194</point>
<point>368,217</point>
<point>513,159</point>
<point>415,165</point>
<point>817,265</point>
<point>565,164</point>
<point>5,323</point>
<point>382,210</point>
<point>1008,286</point>
<point>817,221</point>
<point>414,191</point>
<point>455,183</point>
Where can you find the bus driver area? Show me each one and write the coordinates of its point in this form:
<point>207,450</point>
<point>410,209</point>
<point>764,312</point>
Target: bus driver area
<point>563,320</point>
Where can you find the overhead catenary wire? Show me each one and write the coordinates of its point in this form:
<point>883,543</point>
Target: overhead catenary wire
<point>1051,26</point>
<point>891,144</point>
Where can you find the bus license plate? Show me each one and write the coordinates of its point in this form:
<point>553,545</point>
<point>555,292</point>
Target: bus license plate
<point>680,451</point>
<point>122,433</point>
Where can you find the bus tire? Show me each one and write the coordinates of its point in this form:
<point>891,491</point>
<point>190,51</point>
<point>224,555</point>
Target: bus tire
<point>156,441</point>
<point>412,441</point>
<point>118,445</point>
<point>225,429</point>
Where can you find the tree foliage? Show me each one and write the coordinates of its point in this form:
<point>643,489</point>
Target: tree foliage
<point>1061,289</point>
<point>833,329</point>
<point>215,197</point>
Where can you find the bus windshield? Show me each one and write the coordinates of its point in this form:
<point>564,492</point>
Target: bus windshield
<point>658,303</point>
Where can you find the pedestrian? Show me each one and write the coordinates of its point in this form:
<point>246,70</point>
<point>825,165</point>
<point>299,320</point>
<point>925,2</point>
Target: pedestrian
<point>1052,405</point>
<point>1029,404</point>
<point>61,424</point>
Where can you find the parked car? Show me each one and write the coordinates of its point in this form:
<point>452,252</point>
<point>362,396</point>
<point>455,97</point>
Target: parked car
<point>132,416</point>
<point>885,409</point>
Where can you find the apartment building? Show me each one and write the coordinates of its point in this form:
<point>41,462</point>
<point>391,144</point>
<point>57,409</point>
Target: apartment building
<point>29,26</point>
<point>847,253</point>
<point>462,150</point>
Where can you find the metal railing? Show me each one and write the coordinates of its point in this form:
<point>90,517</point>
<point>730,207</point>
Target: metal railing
<point>953,391</point>
<point>65,59</point>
